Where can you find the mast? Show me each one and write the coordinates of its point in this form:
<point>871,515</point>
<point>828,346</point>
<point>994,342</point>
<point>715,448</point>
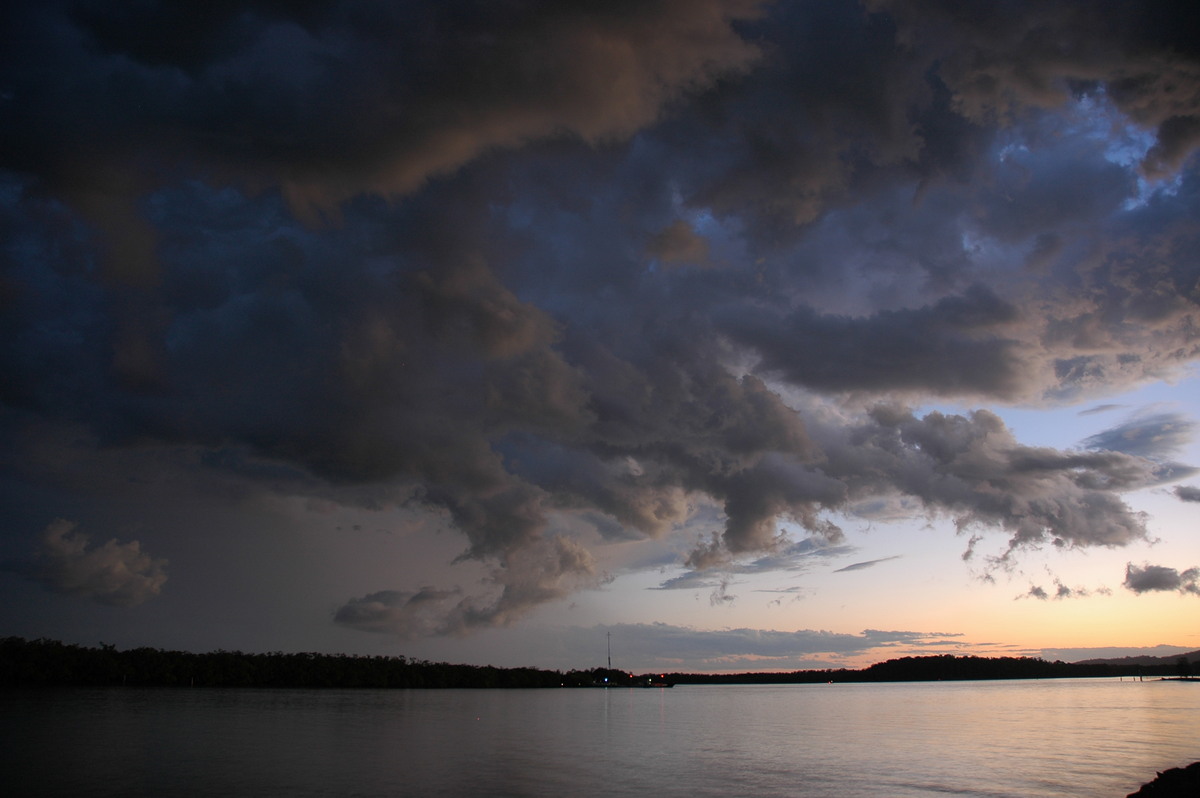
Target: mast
<point>610,651</point>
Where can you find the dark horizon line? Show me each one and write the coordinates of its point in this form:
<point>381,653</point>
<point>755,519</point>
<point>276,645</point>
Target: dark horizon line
<point>50,662</point>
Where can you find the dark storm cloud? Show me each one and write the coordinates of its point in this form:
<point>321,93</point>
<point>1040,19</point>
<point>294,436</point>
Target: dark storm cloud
<point>972,468</point>
<point>329,99</point>
<point>679,243</point>
<point>1188,493</point>
<point>999,59</point>
<point>539,268</point>
<point>116,574</point>
<point>1147,578</point>
<point>394,612</point>
<point>944,349</point>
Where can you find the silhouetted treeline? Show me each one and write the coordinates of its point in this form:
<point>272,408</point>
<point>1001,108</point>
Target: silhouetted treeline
<point>51,663</point>
<point>48,662</point>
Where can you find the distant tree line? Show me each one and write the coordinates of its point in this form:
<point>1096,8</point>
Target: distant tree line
<point>945,667</point>
<point>32,663</point>
<point>48,662</point>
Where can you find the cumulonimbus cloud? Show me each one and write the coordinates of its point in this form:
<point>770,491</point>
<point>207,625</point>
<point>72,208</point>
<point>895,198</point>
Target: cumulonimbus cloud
<point>325,103</point>
<point>641,268</point>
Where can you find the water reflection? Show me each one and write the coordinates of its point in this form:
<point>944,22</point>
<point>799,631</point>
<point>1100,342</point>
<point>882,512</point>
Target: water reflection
<point>1039,738</point>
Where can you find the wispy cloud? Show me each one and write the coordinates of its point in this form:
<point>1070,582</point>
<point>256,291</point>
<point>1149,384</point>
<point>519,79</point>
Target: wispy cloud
<point>792,557</point>
<point>859,566</point>
<point>1062,591</point>
<point>1098,409</point>
<point>1155,435</point>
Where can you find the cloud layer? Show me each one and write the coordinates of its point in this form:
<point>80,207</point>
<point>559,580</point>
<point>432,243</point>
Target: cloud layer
<point>670,647</point>
<point>563,274</point>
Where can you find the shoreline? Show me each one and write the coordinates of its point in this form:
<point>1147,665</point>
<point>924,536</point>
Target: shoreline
<point>1182,782</point>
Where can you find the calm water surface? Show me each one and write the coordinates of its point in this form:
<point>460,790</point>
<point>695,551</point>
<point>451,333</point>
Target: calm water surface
<point>1090,738</point>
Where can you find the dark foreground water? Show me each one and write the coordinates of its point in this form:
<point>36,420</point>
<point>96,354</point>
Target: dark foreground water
<point>1029,738</point>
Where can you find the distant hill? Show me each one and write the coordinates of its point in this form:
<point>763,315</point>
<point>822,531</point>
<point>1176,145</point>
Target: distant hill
<point>1192,657</point>
<point>32,663</point>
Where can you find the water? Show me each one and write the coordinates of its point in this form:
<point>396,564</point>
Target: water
<point>1090,738</point>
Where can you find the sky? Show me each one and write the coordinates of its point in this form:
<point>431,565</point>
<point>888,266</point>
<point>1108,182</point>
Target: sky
<point>762,336</point>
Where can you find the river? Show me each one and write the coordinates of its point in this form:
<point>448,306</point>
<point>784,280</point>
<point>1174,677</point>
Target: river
<point>1069,737</point>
